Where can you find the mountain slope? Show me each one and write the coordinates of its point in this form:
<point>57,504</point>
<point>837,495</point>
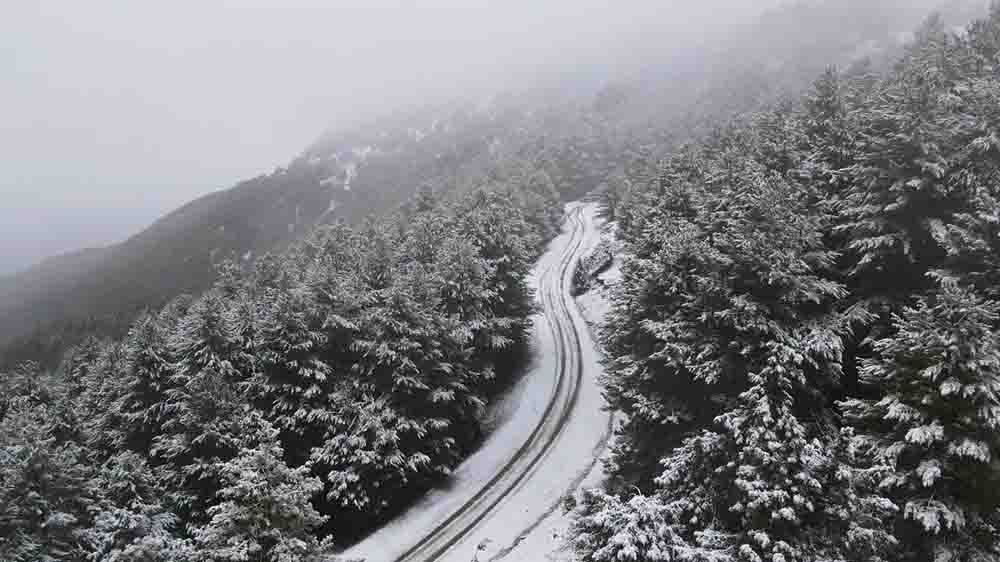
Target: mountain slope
<point>371,169</point>
<point>581,140</point>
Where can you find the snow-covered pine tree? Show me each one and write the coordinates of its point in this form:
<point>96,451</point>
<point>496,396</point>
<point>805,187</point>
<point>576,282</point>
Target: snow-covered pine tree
<point>467,291</point>
<point>498,228</point>
<point>970,234</point>
<point>131,522</point>
<point>90,418</point>
<point>828,128</point>
<point>264,512</point>
<point>79,362</point>
<point>337,247</point>
<point>456,371</point>
<point>935,425</point>
<point>291,382</point>
<point>648,327</point>
<point>27,383</point>
<point>203,406</point>
<point>725,330</point>
<point>541,203</point>
<point>509,244</point>
<point>425,232</point>
<point>761,297</point>
<point>609,529</point>
<point>171,315</point>
<point>984,36</point>
<point>380,246</point>
<point>132,416</point>
<point>901,180</point>
<point>397,422</point>
<point>45,495</point>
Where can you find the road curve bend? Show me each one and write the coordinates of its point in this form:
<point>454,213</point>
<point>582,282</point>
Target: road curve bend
<point>549,443</point>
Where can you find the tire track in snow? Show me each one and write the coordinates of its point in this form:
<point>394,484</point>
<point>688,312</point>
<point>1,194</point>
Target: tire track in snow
<point>453,529</point>
<point>579,478</point>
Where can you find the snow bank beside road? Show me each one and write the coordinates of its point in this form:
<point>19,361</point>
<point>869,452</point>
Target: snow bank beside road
<point>528,523</point>
<point>549,540</point>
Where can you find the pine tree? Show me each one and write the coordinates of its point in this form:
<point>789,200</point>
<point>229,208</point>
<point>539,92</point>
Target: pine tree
<point>45,497</point>
<point>724,331</point>
<point>731,342</point>
<point>27,384</point>
<point>424,235</point>
<point>468,292</point>
<point>264,513</point>
<point>541,204</point>
<point>649,323</point>
<point>830,128</point>
<point>132,413</point>
<point>379,254</point>
<point>203,405</point>
<point>292,380</point>
<point>970,234</point>
<point>397,424</point>
<point>80,362</point>
<point>610,530</point>
<point>132,524</point>
<point>935,424</point>
<point>509,244</point>
<point>336,247</point>
<point>901,182</point>
<point>90,418</point>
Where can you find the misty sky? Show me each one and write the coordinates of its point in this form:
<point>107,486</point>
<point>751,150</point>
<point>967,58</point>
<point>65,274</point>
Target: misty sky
<point>112,113</point>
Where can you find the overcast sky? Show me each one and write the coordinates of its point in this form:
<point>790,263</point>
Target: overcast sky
<point>113,113</point>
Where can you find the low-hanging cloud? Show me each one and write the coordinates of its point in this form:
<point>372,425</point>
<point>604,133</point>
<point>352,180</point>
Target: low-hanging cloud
<point>114,112</point>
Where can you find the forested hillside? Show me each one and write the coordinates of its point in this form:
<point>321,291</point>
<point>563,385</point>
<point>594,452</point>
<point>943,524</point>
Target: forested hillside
<point>803,347</point>
<point>308,395</point>
<point>368,170</point>
<point>805,342</point>
<point>581,135</point>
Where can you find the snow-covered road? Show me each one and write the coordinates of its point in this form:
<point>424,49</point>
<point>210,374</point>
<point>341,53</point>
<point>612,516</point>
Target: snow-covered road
<point>505,495</point>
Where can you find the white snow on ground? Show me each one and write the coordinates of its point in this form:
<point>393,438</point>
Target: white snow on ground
<point>352,172</point>
<point>550,540</point>
<point>362,153</point>
<point>596,303</point>
<point>529,524</point>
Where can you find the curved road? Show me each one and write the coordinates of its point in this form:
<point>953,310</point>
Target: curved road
<point>548,445</point>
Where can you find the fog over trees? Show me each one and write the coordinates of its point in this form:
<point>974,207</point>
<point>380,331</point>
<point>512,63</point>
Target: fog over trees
<point>115,114</point>
<point>802,343</point>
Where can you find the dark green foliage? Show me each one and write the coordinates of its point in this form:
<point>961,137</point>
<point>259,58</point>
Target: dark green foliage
<point>936,423</point>
<point>132,523</point>
<point>45,496</point>
<point>137,408</point>
<point>307,394</point>
<point>264,511</point>
<point>411,160</point>
<point>804,342</point>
